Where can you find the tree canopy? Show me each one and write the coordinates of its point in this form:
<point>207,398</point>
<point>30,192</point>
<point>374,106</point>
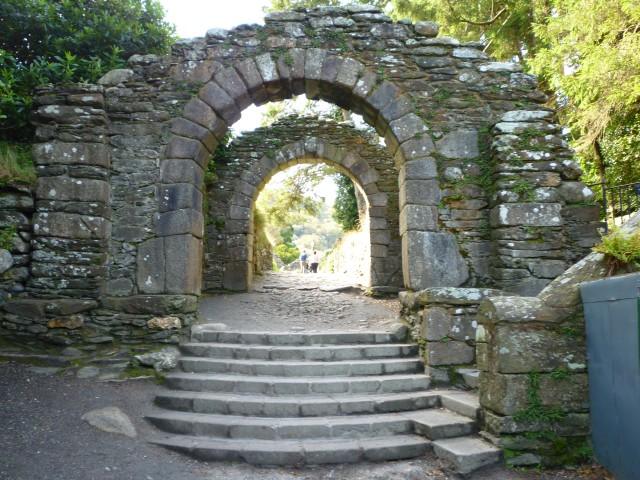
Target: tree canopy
<point>47,41</point>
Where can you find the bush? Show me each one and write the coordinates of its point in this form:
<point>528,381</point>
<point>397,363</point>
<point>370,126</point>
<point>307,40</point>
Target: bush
<point>621,250</point>
<point>287,253</point>
<point>47,41</point>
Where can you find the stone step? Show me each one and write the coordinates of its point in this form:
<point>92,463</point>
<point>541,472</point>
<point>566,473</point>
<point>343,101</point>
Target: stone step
<point>439,423</point>
<point>298,452</point>
<point>269,385</point>
<point>295,406</point>
<point>470,377</point>
<point>290,339</point>
<point>467,454</point>
<point>297,369</point>
<point>269,428</point>
<point>463,403</point>
<point>300,353</point>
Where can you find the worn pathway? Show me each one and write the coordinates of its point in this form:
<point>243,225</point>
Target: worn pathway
<point>300,302</point>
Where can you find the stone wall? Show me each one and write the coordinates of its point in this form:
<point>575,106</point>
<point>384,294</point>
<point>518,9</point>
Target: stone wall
<point>16,210</point>
<point>443,321</point>
<point>543,219</point>
<point>534,379</point>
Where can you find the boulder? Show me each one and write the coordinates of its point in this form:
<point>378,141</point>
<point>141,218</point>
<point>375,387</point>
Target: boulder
<point>110,419</point>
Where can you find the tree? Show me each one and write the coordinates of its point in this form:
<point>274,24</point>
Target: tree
<point>345,208</point>
<point>46,41</point>
<point>505,25</point>
<point>591,61</point>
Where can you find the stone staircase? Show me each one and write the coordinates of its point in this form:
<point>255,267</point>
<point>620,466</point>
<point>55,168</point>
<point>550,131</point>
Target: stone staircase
<point>313,398</point>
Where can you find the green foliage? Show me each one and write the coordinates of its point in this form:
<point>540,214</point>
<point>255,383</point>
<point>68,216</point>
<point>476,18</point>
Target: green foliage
<point>505,24</point>
<point>621,250</point>
<point>7,234</point>
<point>535,410</point>
<point>287,253</point>
<point>345,208</point>
<point>591,60</point>
<point>279,5</point>
<point>524,189</point>
<point>16,164</point>
<point>45,41</point>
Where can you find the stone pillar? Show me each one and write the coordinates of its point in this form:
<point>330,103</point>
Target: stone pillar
<point>71,225</point>
<point>429,258</point>
<point>443,322</point>
<point>537,200</point>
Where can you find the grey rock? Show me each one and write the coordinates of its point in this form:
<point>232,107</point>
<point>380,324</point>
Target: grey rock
<point>6,260</point>
<point>116,77</point>
<point>427,29</point>
<point>110,419</point>
<point>459,144</point>
<point>88,372</point>
<point>432,259</point>
<point>217,34</point>
<point>526,115</point>
<point>165,359</point>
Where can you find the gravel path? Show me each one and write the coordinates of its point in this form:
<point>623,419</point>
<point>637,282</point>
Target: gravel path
<point>300,302</point>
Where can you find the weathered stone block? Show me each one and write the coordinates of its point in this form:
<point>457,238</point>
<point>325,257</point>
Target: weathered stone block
<point>179,196</point>
<point>529,214</point>
<point>427,29</point>
<point>151,266</point>
<point>413,149</point>
<point>199,112</point>
<point>459,144</point>
<point>231,82</point>
<point>508,394</point>
<point>253,80</point>
<point>418,217</point>
<point>236,276</point>
<point>152,304</point>
<point>432,259</point>
<point>70,225</point>
<point>449,353</point>
<point>436,323</point>
<point>220,101</point>
<point>181,171</point>
<point>419,192</point>
<point>183,257</point>
<point>179,222</point>
<point>72,189</point>
<point>53,153</point>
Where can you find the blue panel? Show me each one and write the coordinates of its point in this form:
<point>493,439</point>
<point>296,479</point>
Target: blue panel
<point>613,350</point>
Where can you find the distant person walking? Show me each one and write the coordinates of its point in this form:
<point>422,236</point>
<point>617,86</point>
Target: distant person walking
<point>315,260</point>
<point>304,266</point>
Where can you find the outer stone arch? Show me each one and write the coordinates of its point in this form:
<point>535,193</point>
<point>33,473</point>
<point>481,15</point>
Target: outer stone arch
<point>319,74</point>
<point>238,271</point>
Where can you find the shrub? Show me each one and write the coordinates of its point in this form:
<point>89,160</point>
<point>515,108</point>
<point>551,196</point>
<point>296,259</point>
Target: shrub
<point>621,250</point>
<point>287,253</point>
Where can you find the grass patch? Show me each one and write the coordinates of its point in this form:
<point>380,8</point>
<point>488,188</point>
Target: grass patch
<point>16,164</point>
<point>621,250</point>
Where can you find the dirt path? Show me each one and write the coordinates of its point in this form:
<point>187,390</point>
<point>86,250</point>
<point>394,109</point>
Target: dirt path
<point>300,302</point>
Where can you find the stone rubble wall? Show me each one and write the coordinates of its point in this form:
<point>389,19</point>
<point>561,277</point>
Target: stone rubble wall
<point>16,210</point>
<point>443,321</point>
<point>542,218</point>
<point>534,380</point>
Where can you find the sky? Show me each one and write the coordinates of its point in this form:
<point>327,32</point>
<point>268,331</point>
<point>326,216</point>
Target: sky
<point>192,18</point>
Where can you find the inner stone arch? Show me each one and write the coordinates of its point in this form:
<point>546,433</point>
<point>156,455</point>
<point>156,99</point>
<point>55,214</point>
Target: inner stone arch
<point>252,162</point>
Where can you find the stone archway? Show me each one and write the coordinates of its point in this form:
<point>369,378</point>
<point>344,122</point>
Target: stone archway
<point>430,257</point>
